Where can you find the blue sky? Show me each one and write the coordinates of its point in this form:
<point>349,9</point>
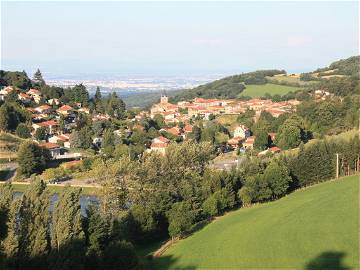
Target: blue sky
<point>173,38</point>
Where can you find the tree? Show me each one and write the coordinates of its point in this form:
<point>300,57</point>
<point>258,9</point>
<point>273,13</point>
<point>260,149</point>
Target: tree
<point>261,140</point>
<point>11,114</point>
<point>6,197</point>
<point>31,158</point>
<point>82,138</point>
<point>115,106</point>
<point>181,217</point>
<point>40,133</point>
<point>23,131</point>
<point>288,136</point>
<point>38,78</point>
<point>97,237</point>
<point>11,243</point>
<point>34,241</point>
<point>67,235</point>
<point>196,133</point>
<point>99,106</point>
<point>277,175</point>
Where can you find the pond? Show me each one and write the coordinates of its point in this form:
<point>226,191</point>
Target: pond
<point>85,201</point>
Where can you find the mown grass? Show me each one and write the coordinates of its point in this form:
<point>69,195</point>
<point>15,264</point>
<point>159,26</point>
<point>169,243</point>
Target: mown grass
<point>313,228</point>
<point>17,187</point>
<point>272,89</point>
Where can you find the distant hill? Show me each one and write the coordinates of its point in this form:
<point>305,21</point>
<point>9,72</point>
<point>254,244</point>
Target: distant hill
<point>229,87</point>
<point>314,228</point>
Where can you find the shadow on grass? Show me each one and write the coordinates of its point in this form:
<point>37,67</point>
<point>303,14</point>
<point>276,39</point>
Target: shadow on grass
<point>330,260</point>
<point>167,262</point>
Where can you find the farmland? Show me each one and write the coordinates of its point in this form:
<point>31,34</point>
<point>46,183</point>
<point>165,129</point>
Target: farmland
<point>272,89</point>
<point>263,236</point>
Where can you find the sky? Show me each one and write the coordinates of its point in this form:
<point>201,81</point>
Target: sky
<point>175,38</point>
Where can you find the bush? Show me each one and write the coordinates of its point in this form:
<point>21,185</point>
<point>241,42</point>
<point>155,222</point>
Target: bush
<point>23,131</point>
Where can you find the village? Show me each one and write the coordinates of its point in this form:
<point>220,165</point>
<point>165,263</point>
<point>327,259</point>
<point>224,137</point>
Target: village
<point>58,120</point>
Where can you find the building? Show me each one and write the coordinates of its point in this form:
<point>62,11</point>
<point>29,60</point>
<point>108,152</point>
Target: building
<point>242,132</point>
<point>65,110</point>
<point>54,149</point>
<point>159,144</point>
<point>51,126</point>
<point>45,109</point>
<point>249,142</point>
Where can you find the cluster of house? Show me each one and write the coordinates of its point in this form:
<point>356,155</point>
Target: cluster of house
<point>243,140</point>
<point>47,116</point>
<point>185,110</point>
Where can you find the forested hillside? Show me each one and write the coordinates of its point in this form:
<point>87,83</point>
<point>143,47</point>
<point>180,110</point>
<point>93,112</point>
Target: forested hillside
<point>340,78</point>
<point>229,87</point>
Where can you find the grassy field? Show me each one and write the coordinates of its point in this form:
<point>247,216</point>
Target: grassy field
<point>272,89</point>
<point>313,228</point>
<point>55,189</point>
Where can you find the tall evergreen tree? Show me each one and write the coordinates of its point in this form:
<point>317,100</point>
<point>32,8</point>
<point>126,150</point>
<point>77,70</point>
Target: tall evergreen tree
<point>11,243</point>
<point>33,226</point>
<point>38,78</point>
<point>67,235</point>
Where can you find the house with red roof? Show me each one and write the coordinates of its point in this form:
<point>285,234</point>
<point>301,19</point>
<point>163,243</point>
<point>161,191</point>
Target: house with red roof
<point>50,126</point>
<point>159,144</point>
<point>54,149</point>
<point>65,110</point>
<point>46,109</point>
<point>249,142</point>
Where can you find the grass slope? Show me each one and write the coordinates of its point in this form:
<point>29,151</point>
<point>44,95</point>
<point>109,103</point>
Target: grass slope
<point>272,89</point>
<point>314,228</point>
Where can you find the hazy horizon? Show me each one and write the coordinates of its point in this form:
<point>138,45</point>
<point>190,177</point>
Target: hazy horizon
<point>173,38</point>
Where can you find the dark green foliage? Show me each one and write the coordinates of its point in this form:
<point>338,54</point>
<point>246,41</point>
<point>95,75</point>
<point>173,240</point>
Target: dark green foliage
<point>115,106</point>
<point>229,87</point>
<point>31,158</point>
<point>40,133</point>
<point>23,131</point>
<point>277,175</point>
<point>38,78</point>
<point>15,78</point>
<point>67,235</point>
<point>181,218</point>
<point>262,139</point>
<point>82,138</point>
<point>6,197</point>
<point>78,93</point>
<point>11,115</point>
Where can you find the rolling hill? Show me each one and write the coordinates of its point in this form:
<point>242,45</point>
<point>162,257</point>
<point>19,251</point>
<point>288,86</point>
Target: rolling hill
<point>314,228</point>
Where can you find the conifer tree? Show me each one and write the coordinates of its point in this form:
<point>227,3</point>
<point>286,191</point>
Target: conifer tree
<point>33,225</point>
<point>11,243</point>
<point>67,235</point>
<point>38,78</point>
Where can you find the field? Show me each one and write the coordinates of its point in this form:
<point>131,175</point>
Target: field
<point>290,79</point>
<point>313,228</point>
<point>272,89</point>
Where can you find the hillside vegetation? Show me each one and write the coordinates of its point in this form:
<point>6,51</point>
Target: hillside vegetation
<point>229,87</point>
<point>269,88</point>
<point>314,228</point>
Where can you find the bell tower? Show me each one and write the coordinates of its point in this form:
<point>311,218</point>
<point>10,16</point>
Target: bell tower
<point>164,99</point>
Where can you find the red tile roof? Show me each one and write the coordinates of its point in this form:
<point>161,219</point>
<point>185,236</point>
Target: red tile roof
<point>47,123</point>
<point>65,108</point>
<point>49,145</point>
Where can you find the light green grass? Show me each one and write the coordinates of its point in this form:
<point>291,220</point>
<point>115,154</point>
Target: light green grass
<point>314,228</point>
<point>272,89</point>
<point>56,189</point>
<point>290,79</point>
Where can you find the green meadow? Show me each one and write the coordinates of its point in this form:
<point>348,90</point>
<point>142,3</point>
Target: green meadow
<point>313,228</point>
<point>272,89</point>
